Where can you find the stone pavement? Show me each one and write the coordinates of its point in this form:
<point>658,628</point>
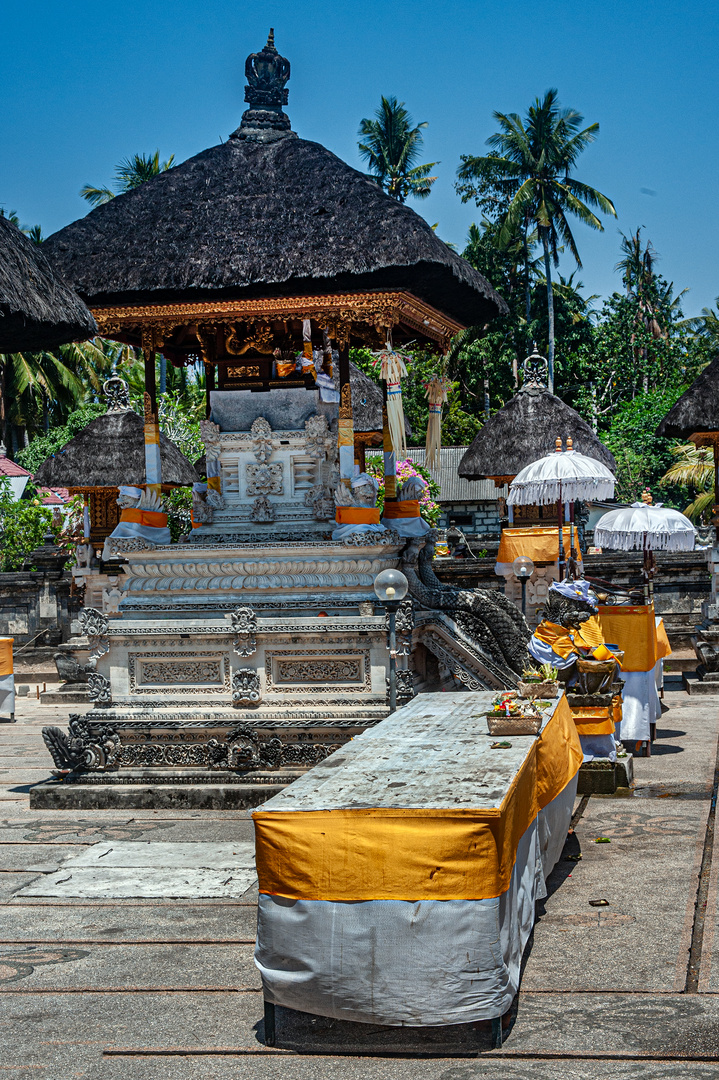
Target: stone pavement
<point>126,942</point>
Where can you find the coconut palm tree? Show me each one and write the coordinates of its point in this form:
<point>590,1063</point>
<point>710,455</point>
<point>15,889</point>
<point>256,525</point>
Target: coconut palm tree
<point>695,468</point>
<point>392,144</point>
<point>706,325</point>
<point>129,174</point>
<point>531,163</point>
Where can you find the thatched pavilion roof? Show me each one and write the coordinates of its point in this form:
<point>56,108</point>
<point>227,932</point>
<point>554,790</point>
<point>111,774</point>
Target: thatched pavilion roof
<point>109,452</point>
<point>697,409</point>
<point>263,214</point>
<point>525,429</point>
<point>37,309</point>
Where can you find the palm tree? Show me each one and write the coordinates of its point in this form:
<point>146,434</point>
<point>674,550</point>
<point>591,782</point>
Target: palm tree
<point>695,468</point>
<point>129,174</point>
<point>706,325</point>
<point>532,164</point>
<point>391,145</point>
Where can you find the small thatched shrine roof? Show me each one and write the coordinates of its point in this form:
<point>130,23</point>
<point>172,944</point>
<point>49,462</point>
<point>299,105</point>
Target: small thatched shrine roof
<point>109,452</point>
<point>526,429</point>
<point>37,310</point>
<point>697,409</point>
<point>264,214</point>
<point>366,401</point>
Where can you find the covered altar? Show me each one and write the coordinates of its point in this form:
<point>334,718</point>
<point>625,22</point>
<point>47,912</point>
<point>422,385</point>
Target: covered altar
<point>255,646</point>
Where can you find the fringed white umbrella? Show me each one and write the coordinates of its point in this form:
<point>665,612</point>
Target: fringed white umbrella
<point>645,527</point>
<point>563,476</point>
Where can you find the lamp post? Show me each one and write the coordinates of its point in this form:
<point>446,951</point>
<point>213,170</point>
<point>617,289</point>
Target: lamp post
<point>523,568</point>
<point>391,587</point>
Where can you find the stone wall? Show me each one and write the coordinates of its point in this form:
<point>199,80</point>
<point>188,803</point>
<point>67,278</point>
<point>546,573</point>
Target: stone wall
<point>478,520</point>
<point>681,585</point>
<point>37,604</point>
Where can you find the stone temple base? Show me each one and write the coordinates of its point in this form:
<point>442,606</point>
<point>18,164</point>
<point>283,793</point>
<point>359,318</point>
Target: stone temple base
<point>605,777</point>
<point>147,789</point>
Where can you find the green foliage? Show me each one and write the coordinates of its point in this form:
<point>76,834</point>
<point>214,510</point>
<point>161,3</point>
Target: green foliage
<point>23,525</point>
<point>391,146</point>
<point>129,174</point>
<point>429,509</point>
<point>642,458</point>
<point>44,445</point>
<point>693,466</point>
<point>178,504</point>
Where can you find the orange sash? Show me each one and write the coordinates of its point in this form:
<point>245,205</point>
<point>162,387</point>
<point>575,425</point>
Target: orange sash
<point>153,518</point>
<point>403,508</point>
<point>557,637</point>
<point>357,515</point>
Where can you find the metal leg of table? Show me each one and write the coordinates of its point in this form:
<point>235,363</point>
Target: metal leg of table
<point>269,1024</point>
<point>497,1033</point>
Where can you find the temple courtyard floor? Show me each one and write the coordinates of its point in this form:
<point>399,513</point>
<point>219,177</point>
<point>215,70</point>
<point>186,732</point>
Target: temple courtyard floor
<point>126,941</point>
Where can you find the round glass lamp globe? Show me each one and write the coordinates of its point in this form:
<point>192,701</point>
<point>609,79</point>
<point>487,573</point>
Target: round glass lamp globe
<point>391,585</point>
<point>523,566</point>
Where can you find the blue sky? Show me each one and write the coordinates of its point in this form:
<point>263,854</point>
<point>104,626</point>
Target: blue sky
<point>84,85</point>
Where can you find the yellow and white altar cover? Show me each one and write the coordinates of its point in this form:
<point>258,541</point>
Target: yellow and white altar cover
<point>398,879</point>
<point>7,677</point>
<point>640,633</point>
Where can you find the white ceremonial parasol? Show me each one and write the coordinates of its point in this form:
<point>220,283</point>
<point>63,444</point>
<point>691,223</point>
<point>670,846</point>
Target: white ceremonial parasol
<point>648,528</point>
<point>565,475</point>
<point>642,527</point>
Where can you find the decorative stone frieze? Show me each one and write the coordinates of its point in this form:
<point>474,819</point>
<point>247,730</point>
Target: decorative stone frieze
<point>246,688</point>
<point>244,624</point>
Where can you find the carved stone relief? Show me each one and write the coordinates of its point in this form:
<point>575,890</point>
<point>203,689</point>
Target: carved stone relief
<point>262,509</point>
<point>299,672</point>
<point>262,444</point>
<point>99,688</point>
<point>244,624</point>
<point>159,674</point>
<point>246,688</point>
<point>264,479</point>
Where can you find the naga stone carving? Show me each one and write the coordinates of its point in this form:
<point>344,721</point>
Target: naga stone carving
<point>246,688</point>
<point>405,687</point>
<point>70,669</point>
<point>95,627</point>
<point>265,479</point>
<point>404,625</point>
<point>262,510</point>
<point>81,748</point>
<point>244,624</point>
<point>489,619</point>
<point>99,688</point>
<point>262,444</point>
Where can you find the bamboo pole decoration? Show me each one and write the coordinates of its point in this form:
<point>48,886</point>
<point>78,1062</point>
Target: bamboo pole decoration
<point>153,468</point>
<point>436,394</point>
<point>390,461</point>
<point>346,434</point>
<point>392,370</point>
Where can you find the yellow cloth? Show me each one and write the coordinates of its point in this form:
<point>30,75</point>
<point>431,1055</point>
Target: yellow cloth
<point>594,720</point>
<point>540,544</point>
<point>357,515</point>
<point>589,633</point>
<point>557,637</point>
<point>6,656</point>
<point>664,649</point>
<point>634,630</point>
<point>414,854</point>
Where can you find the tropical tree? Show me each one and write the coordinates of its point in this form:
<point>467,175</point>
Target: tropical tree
<point>391,144</point>
<point>693,467</point>
<point>129,174</point>
<point>531,166</point>
<point>706,326</point>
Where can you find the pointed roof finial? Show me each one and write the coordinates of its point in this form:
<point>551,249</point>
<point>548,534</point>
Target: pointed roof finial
<point>267,73</point>
<point>534,371</point>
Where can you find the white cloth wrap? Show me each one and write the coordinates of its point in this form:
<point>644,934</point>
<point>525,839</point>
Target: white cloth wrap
<point>599,746</point>
<point>545,654</point>
<point>407,526</point>
<point>130,530</point>
<point>343,531</point>
<point>640,703</point>
<point>410,963</point>
<point>7,693</point>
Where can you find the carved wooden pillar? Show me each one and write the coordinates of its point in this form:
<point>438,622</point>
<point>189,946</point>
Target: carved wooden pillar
<point>153,469</point>
<point>210,382</point>
<point>346,420</point>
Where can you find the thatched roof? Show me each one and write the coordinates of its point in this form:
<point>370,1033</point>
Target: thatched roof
<point>697,409</point>
<point>37,310</point>
<point>366,400</point>
<point>253,218</point>
<point>525,429</point>
<point>109,452</point>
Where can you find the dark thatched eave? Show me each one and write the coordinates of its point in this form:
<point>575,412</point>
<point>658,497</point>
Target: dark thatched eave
<point>37,310</point>
<point>247,219</point>
<point>526,429</point>
<point>109,452</point>
<point>697,409</point>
